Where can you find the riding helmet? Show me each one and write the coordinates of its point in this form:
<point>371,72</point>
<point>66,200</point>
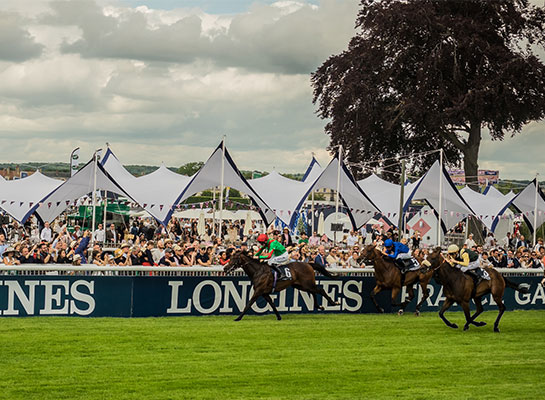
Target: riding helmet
<point>453,249</point>
<point>262,238</point>
<point>388,243</point>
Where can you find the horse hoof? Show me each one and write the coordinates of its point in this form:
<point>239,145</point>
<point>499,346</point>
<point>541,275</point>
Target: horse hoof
<point>400,312</point>
<point>337,303</point>
<point>278,318</point>
<point>237,319</point>
<point>454,326</point>
<point>481,323</point>
<point>381,310</point>
<point>321,308</point>
<point>417,313</point>
<point>497,330</point>
<point>466,327</point>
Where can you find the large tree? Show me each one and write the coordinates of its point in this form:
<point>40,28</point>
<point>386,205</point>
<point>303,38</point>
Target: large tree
<point>421,74</point>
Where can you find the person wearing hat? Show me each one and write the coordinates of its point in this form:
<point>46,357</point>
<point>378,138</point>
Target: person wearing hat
<point>168,259</point>
<point>466,260</point>
<point>9,257</point>
<point>399,252</point>
<point>122,257</point>
<point>274,252</point>
<point>285,238</point>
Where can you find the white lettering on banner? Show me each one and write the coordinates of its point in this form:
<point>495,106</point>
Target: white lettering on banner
<point>174,309</point>
<point>431,290</point>
<point>356,296</point>
<point>57,295</point>
<point>14,289</point>
<point>83,297</point>
<point>307,298</point>
<point>440,297</point>
<point>522,299</point>
<point>326,285</point>
<point>232,292</point>
<point>197,297</point>
<point>255,306</point>
<point>282,302</point>
<point>539,294</point>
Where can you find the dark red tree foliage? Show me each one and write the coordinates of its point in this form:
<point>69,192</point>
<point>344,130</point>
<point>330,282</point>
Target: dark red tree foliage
<point>420,75</point>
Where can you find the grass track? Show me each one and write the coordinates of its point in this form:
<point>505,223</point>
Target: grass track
<point>303,356</point>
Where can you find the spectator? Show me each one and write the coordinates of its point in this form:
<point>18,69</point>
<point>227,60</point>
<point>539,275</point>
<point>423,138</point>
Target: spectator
<point>490,241</point>
<point>135,256</point>
<point>415,240</point>
<point>190,256</point>
<point>27,255</point>
<point>3,244</point>
<point>321,257</point>
<point>353,260</point>
<point>285,239</point>
<point>46,234</point>
<point>99,234</point>
<point>511,260</point>
<point>352,239</point>
<point>506,241</point>
<point>42,256</point>
<point>9,257</point>
<point>314,240</point>
<point>111,234</point>
<point>203,257</point>
<point>168,259</point>
<point>470,243</point>
<point>333,258</point>
<point>82,247</point>
<point>223,260</point>
<point>62,257</point>
<point>521,242</point>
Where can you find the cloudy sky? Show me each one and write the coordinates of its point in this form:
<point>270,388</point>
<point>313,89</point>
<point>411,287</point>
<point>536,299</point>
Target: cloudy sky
<point>163,80</point>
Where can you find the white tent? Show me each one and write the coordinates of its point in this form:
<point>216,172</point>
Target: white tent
<point>80,184</point>
<point>285,196</point>
<point>488,208</point>
<point>360,207</point>
<point>155,192</point>
<point>313,171</point>
<point>19,197</point>
<point>454,207</point>
<point>386,195</point>
<point>525,202</point>
<point>209,176</point>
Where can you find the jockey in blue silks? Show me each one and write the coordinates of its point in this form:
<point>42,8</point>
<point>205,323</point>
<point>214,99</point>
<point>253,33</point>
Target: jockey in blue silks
<point>399,252</point>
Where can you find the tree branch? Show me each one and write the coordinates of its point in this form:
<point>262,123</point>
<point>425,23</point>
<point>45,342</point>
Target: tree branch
<point>451,137</point>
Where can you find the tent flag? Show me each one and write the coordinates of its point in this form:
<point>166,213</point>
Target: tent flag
<point>74,161</point>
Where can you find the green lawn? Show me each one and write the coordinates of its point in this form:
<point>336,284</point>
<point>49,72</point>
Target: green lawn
<point>302,356</point>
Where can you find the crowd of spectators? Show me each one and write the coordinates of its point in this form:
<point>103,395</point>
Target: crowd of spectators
<point>143,242</point>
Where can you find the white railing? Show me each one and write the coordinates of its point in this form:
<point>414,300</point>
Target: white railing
<point>91,269</point>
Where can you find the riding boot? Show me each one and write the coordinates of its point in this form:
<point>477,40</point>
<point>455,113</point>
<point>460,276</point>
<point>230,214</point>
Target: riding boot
<point>278,271</point>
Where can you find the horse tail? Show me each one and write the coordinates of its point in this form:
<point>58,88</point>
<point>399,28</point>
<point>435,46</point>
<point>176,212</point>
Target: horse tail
<point>322,270</point>
<point>524,288</point>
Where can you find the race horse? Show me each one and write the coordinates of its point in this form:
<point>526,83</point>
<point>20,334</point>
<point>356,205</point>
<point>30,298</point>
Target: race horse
<point>460,288</point>
<point>388,276</point>
<point>302,277</point>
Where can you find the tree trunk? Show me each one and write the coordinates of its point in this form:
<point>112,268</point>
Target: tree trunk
<point>471,155</point>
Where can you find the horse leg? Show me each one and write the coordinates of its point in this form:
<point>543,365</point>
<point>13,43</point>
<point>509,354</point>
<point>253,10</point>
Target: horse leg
<point>478,311</point>
<point>317,306</point>
<point>375,291</point>
<point>425,295</point>
<point>410,291</point>
<point>465,307</point>
<point>499,301</point>
<point>271,303</point>
<point>320,290</point>
<point>395,292</point>
<point>446,305</point>
<point>250,303</point>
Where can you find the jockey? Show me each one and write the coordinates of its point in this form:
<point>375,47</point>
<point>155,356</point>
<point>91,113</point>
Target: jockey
<point>399,252</point>
<point>466,260</point>
<point>272,251</point>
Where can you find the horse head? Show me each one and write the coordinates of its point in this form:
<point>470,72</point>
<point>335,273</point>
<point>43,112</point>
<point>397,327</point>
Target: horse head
<point>368,253</point>
<point>436,259</point>
<point>238,260</point>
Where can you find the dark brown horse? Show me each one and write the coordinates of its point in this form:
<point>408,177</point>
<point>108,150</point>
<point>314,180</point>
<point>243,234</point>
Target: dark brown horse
<point>388,276</point>
<point>460,288</point>
<point>302,278</point>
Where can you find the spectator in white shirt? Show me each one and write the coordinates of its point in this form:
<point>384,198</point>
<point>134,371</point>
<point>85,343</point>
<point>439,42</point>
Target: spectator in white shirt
<point>99,234</point>
<point>46,235</point>
<point>352,239</point>
<point>470,242</point>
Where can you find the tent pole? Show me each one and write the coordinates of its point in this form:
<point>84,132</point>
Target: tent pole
<point>312,209</point>
<point>338,189</point>
<point>105,213</point>
<point>401,197</point>
<point>221,184</point>
<point>214,210</point>
<point>440,210</point>
<point>94,200</point>
<point>535,211</point>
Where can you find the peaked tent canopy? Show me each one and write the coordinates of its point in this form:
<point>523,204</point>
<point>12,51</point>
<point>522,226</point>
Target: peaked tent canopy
<point>155,192</point>
<point>488,208</point>
<point>454,207</point>
<point>284,195</point>
<point>209,176</point>
<point>360,208</point>
<point>19,197</point>
<point>80,184</point>
<point>313,171</point>
<point>525,202</point>
<point>386,195</point>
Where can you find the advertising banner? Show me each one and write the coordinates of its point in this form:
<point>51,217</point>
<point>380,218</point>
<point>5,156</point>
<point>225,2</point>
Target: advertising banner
<point>107,296</point>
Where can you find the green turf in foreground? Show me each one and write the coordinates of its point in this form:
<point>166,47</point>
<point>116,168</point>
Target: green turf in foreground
<point>303,356</point>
